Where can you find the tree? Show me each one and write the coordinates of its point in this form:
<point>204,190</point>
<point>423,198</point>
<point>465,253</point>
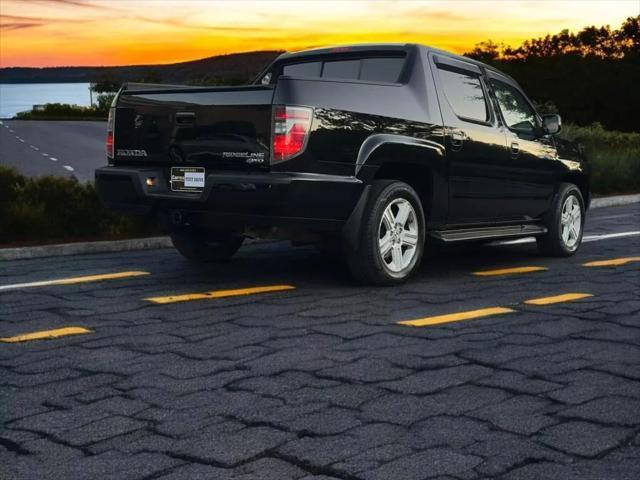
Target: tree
<point>106,83</point>
<point>591,76</point>
<point>628,36</point>
<point>104,103</point>
<point>487,52</point>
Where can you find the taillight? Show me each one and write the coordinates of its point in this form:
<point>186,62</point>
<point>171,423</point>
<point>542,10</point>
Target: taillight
<point>291,130</point>
<point>110,124</point>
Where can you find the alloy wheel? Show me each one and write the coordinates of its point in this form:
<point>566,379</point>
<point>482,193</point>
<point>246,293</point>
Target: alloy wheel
<point>398,235</point>
<point>571,222</point>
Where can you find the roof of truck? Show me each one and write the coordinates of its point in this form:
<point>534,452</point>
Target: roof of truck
<point>381,47</point>
<point>354,47</point>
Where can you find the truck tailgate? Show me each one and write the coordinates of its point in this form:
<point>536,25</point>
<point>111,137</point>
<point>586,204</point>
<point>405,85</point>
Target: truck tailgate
<point>222,128</point>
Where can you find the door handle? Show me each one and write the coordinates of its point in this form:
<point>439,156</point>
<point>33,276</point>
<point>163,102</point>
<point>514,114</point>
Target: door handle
<point>185,117</point>
<point>515,149</point>
<point>457,139</point>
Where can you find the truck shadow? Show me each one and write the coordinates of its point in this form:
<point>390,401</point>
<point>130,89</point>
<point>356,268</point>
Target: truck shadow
<point>278,262</point>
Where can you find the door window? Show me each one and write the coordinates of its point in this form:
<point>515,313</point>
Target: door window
<point>465,95</point>
<point>516,111</point>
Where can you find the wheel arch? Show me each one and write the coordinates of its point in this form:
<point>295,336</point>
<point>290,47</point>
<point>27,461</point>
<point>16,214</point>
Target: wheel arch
<point>581,181</point>
<point>417,162</point>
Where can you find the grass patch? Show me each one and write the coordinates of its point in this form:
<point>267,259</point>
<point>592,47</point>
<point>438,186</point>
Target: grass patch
<point>614,157</point>
<point>58,209</point>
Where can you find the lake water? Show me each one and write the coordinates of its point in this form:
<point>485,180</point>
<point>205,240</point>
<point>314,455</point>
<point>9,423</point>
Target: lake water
<point>19,97</point>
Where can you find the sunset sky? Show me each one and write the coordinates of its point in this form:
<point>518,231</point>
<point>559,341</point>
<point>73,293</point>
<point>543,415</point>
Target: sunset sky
<point>121,32</point>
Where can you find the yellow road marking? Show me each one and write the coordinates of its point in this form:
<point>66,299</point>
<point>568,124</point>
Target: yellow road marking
<point>612,263</point>
<point>59,332</point>
<point>219,294</point>
<point>456,317</point>
<point>104,276</point>
<point>567,297</point>
<point>508,271</point>
<point>74,280</point>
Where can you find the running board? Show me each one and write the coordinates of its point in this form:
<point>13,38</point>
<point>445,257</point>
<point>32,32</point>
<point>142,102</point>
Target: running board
<point>488,233</point>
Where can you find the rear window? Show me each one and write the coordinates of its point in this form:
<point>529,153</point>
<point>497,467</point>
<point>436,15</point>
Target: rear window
<point>381,69</point>
<point>342,69</point>
<point>307,69</point>
<point>368,69</point>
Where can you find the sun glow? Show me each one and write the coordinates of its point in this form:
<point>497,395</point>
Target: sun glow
<point>118,32</point>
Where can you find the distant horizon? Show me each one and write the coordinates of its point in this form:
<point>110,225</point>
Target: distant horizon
<point>99,33</point>
<point>141,64</point>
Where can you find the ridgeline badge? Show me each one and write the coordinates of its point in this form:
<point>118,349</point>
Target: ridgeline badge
<point>253,157</point>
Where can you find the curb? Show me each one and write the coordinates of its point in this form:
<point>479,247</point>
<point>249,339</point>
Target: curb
<point>151,243</point>
<point>615,200</point>
<point>81,248</point>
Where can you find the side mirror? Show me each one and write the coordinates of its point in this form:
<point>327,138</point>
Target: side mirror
<point>552,123</point>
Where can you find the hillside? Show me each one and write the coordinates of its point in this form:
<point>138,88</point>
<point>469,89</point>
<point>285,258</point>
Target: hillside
<point>234,68</point>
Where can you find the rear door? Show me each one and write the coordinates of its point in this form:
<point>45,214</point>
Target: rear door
<point>475,143</point>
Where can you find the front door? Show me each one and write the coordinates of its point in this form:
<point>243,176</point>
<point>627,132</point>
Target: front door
<point>532,152</point>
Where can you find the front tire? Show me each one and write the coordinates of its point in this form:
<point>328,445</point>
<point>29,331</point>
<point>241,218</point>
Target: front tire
<point>392,236</point>
<point>206,247</point>
<point>565,223</point>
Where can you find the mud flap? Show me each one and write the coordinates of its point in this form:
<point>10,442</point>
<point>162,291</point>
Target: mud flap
<point>351,229</point>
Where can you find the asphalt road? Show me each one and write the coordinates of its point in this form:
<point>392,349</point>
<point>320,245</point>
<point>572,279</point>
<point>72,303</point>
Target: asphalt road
<point>38,148</point>
<point>321,381</point>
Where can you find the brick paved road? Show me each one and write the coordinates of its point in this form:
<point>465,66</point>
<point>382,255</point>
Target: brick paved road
<point>320,382</point>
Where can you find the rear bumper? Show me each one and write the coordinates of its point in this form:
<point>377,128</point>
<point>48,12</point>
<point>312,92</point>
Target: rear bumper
<point>322,202</point>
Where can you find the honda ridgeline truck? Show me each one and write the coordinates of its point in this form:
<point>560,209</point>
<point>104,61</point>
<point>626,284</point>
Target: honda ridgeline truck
<point>372,150</point>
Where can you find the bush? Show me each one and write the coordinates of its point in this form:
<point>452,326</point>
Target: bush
<point>614,157</point>
<point>46,209</point>
<point>63,111</point>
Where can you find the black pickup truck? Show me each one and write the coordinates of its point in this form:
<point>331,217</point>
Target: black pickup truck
<point>370,150</point>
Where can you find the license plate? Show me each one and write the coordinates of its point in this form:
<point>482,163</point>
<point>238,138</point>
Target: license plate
<point>187,179</point>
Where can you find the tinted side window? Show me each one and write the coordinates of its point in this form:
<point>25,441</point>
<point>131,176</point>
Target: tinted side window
<point>308,69</point>
<point>341,69</point>
<point>381,69</point>
<point>517,112</point>
<point>465,94</point>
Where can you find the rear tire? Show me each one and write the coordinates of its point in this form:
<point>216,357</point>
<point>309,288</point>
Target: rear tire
<point>206,247</point>
<point>391,243</point>
<point>565,223</point>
